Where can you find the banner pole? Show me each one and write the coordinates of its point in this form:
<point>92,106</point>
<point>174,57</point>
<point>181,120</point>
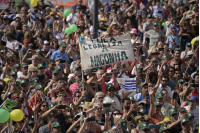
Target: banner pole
<point>83,80</point>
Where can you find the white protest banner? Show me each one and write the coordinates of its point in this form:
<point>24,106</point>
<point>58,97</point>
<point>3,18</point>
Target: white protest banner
<point>67,4</point>
<point>102,51</point>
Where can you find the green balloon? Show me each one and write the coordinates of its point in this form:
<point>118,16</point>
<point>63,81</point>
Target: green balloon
<point>66,13</point>
<point>4,115</point>
<point>164,25</point>
<point>68,31</point>
<point>73,28</point>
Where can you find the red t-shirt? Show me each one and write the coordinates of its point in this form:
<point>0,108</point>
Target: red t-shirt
<point>48,73</point>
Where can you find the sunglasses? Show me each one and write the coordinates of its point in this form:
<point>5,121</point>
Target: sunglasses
<point>159,106</point>
<point>35,71</point>
<point>100,98</point>
<point>148,120</point>
<point>23,85</point>
<point>44,106</point>
<point>116,113</point>
<point>78,96</point>
<point>11,60</point>
<point>164,80</point>
<point>171,71</point>
<point>146,130</point>
<point>111,90</point>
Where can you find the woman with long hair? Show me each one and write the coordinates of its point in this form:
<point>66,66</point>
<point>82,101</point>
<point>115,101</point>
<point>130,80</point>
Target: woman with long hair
<point>186,32</point>
<point>153,34</point>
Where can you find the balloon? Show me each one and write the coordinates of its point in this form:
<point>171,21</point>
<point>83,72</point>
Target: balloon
<point>68,31</point>
<point>34,3</point>
<point>4,115</point>
<point>66,13</point>
<point>17,115</point>
<point>73,28</point>
<point>194,40</point>
<point>164,25</point>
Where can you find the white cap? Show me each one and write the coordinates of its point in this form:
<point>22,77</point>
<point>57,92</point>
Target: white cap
<point>18,16</point>
<point>46,42</point>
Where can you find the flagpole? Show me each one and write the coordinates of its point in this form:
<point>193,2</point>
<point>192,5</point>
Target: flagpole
<point>82,71</point>
<point>10,125</point>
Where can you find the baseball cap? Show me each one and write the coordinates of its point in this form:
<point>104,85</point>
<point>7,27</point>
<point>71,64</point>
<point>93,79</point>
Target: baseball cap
<point>180,109</point>
<point>40,66</point>
<point>78,74</point>
<point>46,42</point>
<point>18,16</point>
<point>188,44</point>
<point>41,76</point>
<point>143,126</point>
<point>51,13</point>
<point>131,98</point>
<point>159,94</point>
<point>15,66</point>
<point>155,24</point>
<point>143,111</point>
<point>55,124</point>
<point>57,59</point>
<point>9,93</point>
<point>24,64</point>
<point>13,73</point>
<point>110,85</point>
<point>54,72</point>
<point>190,115</point>
<point>63,44</point>
<point>180,81</point>
<point>163,128</point>
<point>25,40</point>
<point>57,68</point>
<point>36,81</point>
<point>39,86</point>
<point>52,104</point>
<point>156,103</point>
<point>23,81</point>
<point>194,98</point>
<point>177,49</point>
<point>123,124</point>
<point>14,95</point>
<point>185,84</point>
<point>190,53</point>
<point>184,120</point>
<point>143,84</point>
<point>164,57</point>
<point>172,111</point>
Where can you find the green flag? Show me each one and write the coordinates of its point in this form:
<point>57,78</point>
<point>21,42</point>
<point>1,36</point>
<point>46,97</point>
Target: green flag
<point>7,105</point>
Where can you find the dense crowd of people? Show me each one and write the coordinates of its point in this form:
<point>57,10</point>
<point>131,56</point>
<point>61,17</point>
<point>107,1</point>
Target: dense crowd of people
<point>40,68</point>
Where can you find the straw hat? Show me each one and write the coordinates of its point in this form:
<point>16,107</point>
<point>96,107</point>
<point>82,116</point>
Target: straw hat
<point>154,51</point>
<point>190,13</point>
<point>87,105</point>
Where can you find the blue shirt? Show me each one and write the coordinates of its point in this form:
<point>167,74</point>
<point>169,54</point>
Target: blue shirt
<point>177,27</point>
<point>170,38</point>
<point>58,54</point>
<point>109,8</point>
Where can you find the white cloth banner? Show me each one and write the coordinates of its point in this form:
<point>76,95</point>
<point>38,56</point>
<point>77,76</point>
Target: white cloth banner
<point>127,84</point>
<point>103,51</point>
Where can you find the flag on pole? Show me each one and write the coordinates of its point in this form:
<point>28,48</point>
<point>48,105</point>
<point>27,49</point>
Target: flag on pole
<point>32,18</point>
<point>8,105</point>
<point>10,16</point>
<point>127,84</point>
<point>141,4</point>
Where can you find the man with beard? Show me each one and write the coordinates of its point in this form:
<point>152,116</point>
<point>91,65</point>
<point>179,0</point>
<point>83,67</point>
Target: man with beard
<point>127,104</point>
<point>75,86</point>
<point>12,45</point>
<point>143,97</point>
<point>60,84</point>
<point>99,97</point>
<point>35,62</point>
<point>112,98</point>
<point>164,85</point>
<point>176,59</point>
<point>174,125</point>
<point>165,106</point>
<point>191,67</point>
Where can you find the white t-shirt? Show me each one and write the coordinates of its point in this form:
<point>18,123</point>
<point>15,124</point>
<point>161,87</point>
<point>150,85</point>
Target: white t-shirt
<point>167,88</point>
<point>194,112</point>
<point>59,36</point>
<point>19,74</point>
<point>74,17</point>
<point>116,102</point>
<point>12,45</point>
